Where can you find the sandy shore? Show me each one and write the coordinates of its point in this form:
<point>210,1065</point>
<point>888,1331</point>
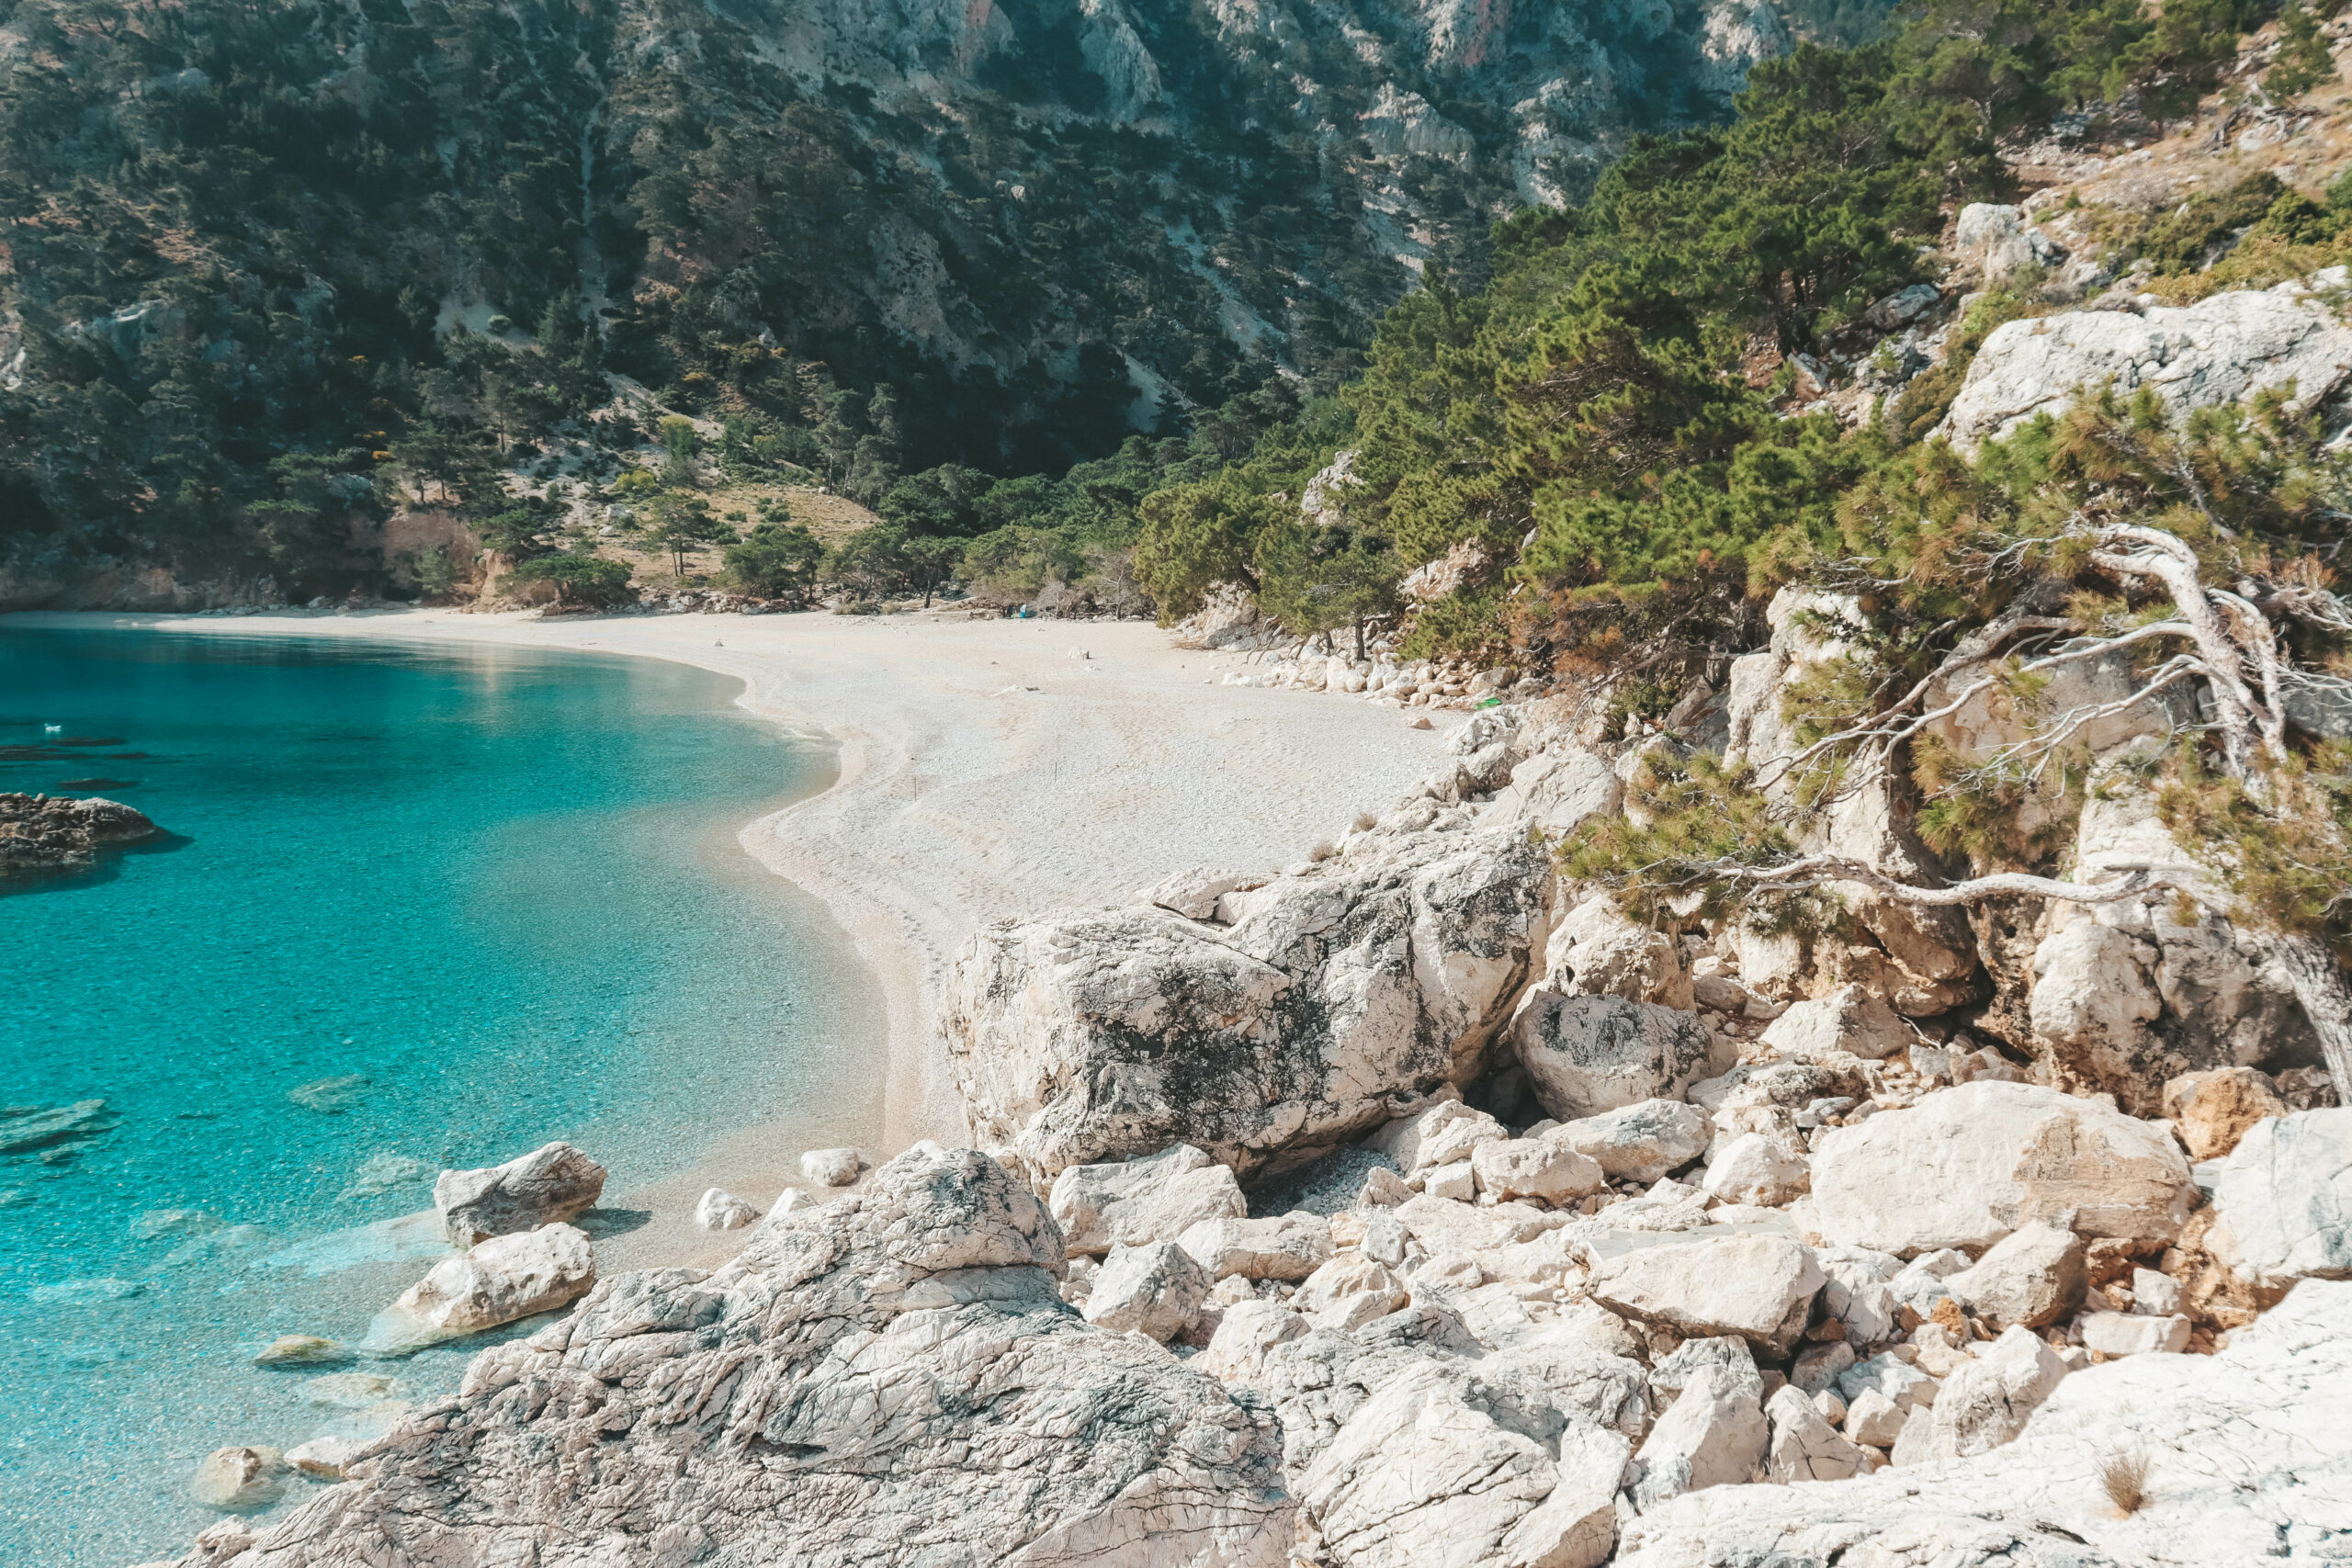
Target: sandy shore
<point>987,768</point>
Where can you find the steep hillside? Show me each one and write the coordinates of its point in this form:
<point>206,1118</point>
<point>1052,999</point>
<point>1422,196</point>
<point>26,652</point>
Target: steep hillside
<point>255,255</point>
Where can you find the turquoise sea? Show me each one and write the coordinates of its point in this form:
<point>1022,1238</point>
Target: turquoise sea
<point>422,907</point>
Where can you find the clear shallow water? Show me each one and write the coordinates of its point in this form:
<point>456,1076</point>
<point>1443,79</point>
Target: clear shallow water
<point>495,893</point>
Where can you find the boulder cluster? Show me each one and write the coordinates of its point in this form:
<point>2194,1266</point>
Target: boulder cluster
<point>1413,1205</point>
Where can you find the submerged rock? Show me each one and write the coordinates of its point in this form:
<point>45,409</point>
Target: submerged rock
<point>501,1280</point>
<point>303,1350</point>
<point>27,1127</point>
<point>887,1380</point>
<point>239,1478</point>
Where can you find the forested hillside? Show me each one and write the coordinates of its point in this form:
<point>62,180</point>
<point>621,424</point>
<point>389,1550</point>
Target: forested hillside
<point>273,272</point>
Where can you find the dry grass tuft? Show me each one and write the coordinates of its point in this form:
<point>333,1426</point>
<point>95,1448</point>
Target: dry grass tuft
<point>2124,1478</point>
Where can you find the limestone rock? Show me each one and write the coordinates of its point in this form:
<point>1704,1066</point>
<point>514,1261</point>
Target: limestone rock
<point>1893,1378</point>
<point>2213,1111</point>
<point>45,832</point>
<point>1805,1447</point>
<point>1755,1168</point>
<point>1156,1197</point>
<point>1847,1020</point>
<point>1544,1169</point>
<point>501,1280</point>
<point>552,1182</point>
<point>1857,1294</point>
<point>2246,1451</point>
<point>1555,792</point>
<point>1760,1288</point>
<point>1727,1354</point>
<point>1988,1401</point>
<point>1968,1166</point>
<point>1597,952</point>
<point>2034,1276</point>
<point>1443,1134</point>
<point>2223,349</point>
<point>2002,243</point>
<point>720,1210</point>
<point>832,1167</point>
<point>1713,1435</point>
<point>1245,1334</point>
<point>887,1382</point>
<point>1194,893</point>
<point>1342,995</point>
<point>2092,990</point>
<point>1642,1142</point>
<point>325,1458</point>
<point>1154,1290</point>
<point>1427,1473</point>
<point>239,1478</point>
<point>302,1350</point>
<point>1280,1246</point>
<point>1588,1055</point>
<point>1348,1292</point>
<point>1873,1419</point>
<point>2283,1209</point>
<point>2134,1334</point>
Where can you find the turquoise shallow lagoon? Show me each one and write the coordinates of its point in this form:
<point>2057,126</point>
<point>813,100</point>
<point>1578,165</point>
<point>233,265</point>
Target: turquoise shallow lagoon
<point>424,908</point>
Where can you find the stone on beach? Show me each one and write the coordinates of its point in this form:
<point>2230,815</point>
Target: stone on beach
<point>1446,1133</point>
<point>1988,1400</point>
<point>1713,1433</point>
<point>2213,1111</point>
<point>832,1167</point>
<point>1758,1287</point>
<point>239,1478</point>
<point>1535,1168</point>
<point>2034,1276</point>
<point>2282,1211</point>
<point>1280,1246</point>
<point>2134,1334</point>
<point>1639,1143</point>
<point>1805,1447</point>
<point>1341,995</point>
<point>1756,1168</point>
<point>552,1182</point>
<point>1849,1020</point>
<point>1154,1290</point>
<point>1156,1197</point>
<point>499,1280</point>
<point>1588,1055</point>
<point>720,1210</point>
<point>1970,1165</point>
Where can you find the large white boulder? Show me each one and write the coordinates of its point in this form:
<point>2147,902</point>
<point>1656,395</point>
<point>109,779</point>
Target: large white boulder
<point>1154,1290</point>
<point>1756,1168</point>
<point>1428,1473</point>
<point>1445,1134</point>
<point>1543,1168</point>
<point>1640,1143</point>
<point>2282,1211</point>
<point>2033,1276</point>
<point>1341,995</point>
<point>499,1280</point>
<point>1758,1287</point>
<point>2223,349</point>
<point>1968,1166</point>
<point>1849,1018</point>
<point>889,1379</point>
<point>1278,1247</point>
<point>1154,1198</point>
<point>2244,1452</point>
<point>2002,243</point>
<point>1713,1433</point>
<point>1595,950</point>
<point>1555,791</point>
<point>1988,1401</point>
<point>1588,1055</point>
<point>1805,1447</point>
<point>552,1182</point>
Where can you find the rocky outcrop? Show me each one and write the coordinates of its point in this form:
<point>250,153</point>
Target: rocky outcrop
<point>50,833</point>
<point>552,1182</point>
<point>1973,1164</point>
<point>2223,349</point>
<point>2233,1457</point>
<point>1334,997</point>
<point>888,1378</point>
<point>2282,1209</point>
<point>502,1280</point>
